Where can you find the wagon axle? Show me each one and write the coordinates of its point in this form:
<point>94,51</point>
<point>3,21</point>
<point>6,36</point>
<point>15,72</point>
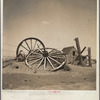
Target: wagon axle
<point>45,54</point>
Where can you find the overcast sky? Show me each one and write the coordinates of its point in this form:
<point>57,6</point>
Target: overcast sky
<point>56,22</point>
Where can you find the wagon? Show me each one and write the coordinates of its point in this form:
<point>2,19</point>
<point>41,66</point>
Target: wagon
<point>37,55</point>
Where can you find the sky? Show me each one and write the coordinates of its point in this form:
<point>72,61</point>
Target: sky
<point>55,22</point>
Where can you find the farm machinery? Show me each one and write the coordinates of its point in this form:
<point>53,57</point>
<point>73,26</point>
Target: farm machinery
<point>35,54</point>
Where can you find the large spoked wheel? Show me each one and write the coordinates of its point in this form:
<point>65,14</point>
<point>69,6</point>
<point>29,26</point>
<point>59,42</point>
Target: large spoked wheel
<point>51,59</point>
<point>29,45</point>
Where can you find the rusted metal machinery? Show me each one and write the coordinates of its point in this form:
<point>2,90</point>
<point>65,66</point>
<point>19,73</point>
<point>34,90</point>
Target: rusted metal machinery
<point>36,55</point>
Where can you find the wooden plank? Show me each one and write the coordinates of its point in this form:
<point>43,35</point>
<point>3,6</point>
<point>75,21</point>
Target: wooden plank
<point>81,53</point>
<point>79,50</point>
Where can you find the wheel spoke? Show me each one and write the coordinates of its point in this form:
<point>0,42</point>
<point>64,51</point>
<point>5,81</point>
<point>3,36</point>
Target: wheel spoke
<point>40,63</point>
<point>57,57</point>
<point>36,61</point>
<point>55,54</point>
<point>35,56</point>
<point>27,45</point>
<point>39,45</point>
<point>35,45</point>
<point>54,60</point>
<point>45,63</point>
<point>31,43</point>
<point>50,63</point>
<point>33,59</point>
<point>24,47</point>
<point>35,53</point>
<point>39,48</point>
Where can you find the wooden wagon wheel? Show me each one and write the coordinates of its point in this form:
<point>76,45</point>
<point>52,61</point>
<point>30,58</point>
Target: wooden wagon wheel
<point>29,45</point>
<point>51,59</point>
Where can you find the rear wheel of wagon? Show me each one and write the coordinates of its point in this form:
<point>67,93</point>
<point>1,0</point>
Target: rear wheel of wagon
<point>51,59</point>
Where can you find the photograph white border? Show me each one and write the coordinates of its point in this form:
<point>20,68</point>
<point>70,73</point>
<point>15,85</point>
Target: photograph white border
<point>47,94</point>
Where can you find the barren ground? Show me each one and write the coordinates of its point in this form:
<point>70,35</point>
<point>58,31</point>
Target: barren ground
<point>19,77</point>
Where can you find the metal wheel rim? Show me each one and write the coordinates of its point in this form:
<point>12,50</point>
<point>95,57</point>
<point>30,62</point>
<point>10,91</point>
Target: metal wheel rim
<point>25,40</point>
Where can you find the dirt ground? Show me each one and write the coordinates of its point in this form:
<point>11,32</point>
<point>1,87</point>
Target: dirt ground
<point>18,76</point>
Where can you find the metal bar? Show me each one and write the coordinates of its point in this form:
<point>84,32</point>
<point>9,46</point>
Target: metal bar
<point>83,50</point>
<point>81,53</point>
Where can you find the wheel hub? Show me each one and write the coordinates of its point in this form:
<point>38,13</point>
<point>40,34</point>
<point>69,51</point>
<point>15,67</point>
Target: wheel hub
<point>45,54</point>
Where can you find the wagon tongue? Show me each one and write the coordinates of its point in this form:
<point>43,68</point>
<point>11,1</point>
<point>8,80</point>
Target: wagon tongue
<point>45,54</point>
